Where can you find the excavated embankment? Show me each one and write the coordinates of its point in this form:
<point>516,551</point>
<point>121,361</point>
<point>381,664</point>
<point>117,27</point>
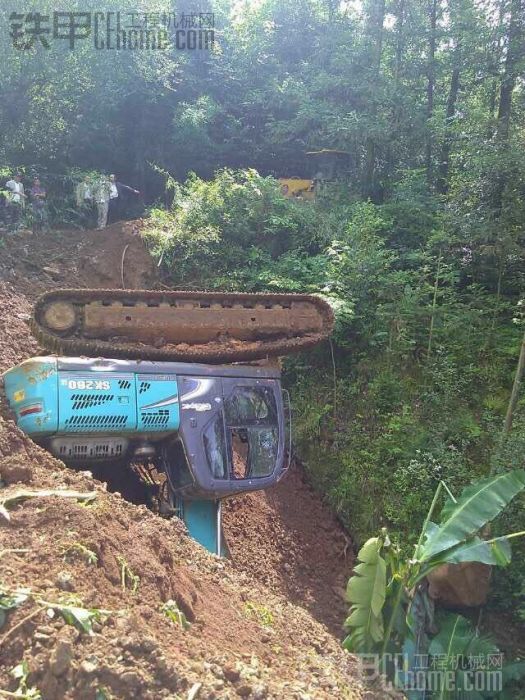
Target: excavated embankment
<point>264,624</point>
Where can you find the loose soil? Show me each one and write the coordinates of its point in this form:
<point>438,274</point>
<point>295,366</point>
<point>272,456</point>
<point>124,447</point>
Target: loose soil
<point>265,623</point>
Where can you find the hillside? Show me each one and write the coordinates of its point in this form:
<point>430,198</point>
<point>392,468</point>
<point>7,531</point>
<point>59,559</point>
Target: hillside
<point>264,624</point>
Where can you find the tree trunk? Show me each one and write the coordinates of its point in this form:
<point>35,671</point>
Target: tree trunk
<point>376,18</point>
<point>430,87</point>
<point>446,147</point>
<point>494,61</point>
<point>508,83</point>
<point>513,402</point>
<point>397,98</point>
<point>400,41</point>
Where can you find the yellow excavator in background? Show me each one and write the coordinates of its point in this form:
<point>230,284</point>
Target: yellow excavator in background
<point>330,165</point>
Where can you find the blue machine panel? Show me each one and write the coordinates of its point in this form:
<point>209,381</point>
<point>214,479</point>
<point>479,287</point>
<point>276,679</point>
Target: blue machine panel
<point>202,518</point>
<point>31,389</point>
<point>158,402</point>
<point>102,402</point>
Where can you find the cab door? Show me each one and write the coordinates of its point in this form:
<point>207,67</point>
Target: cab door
<point>233,434</point>
<point>253,415</point>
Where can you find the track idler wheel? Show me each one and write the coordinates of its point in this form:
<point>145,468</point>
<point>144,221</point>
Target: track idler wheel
<point>60,316</point>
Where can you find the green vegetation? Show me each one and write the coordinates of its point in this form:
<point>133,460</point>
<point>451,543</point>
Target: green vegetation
<point>128,579</point>
<point>76,550</point>
<point>424,353</point>
<point>24,691</point>
<point>391,609</point>
<point>172,611</point>
<point>71,609</point>
<point>259,612</point>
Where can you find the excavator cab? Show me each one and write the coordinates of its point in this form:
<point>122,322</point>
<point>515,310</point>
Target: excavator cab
<point>210,431</point>
<point>232,439</point>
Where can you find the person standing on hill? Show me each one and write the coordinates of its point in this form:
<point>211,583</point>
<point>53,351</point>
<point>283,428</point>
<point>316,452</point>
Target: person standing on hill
<point>15,200</point>
<point>38,205</point>
<point>101,194</point>
<point>84,199</point>
<point>117,190</point>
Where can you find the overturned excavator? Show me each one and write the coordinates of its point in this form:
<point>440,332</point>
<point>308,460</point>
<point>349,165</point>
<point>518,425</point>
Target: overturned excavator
<point>182,386</point>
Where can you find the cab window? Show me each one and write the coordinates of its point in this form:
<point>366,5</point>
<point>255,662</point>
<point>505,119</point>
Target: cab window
<point>215,447</point>
<point>253,431</point>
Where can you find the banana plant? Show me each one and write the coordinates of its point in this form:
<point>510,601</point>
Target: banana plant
<point>456,643</point>
<point>390,607</point>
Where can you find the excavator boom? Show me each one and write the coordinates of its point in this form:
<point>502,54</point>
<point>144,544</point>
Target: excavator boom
<point>213,327</point>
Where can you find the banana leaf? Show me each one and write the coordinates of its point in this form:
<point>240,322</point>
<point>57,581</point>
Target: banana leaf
<point>451,642</point>
<point>495,552</point>
<point>366,592</point>
<point>477,505</point>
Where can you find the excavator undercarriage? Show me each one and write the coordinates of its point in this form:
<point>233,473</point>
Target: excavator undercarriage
<point>178,325</point>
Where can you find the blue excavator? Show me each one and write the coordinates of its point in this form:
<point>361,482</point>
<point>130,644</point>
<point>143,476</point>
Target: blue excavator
<point>191,399</point>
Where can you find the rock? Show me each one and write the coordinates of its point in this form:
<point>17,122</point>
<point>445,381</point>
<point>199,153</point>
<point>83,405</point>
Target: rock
<point>64,581</point>
<point>231,674</point>
<point>53,271</point>
<point>88,666</point>
<point>42,638</point>
<point>131,679</point>
<point>460,585</point>
<point>244,690</point>
<point>260,692</point>
<point>217,670</point>
<point>61,657</point>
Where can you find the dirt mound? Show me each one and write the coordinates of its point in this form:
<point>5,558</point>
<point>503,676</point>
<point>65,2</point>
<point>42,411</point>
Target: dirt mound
<point>16,342</point>
<point>112,258</point>
<point>243,640</point>
<point>252,632</point>
<point>291,542</point>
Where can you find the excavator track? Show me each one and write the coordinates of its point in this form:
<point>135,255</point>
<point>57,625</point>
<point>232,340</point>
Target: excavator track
<point>182,326</point>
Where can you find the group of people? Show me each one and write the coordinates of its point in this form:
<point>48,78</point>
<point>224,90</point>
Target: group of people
<point>97,192</point>
<point>15,202</point>
<point>106,195</point>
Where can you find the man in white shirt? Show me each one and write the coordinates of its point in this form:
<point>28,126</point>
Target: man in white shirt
<point>15,201</point>
<point>84,198</point>
<point>117,189</point>
<point>101,192</point>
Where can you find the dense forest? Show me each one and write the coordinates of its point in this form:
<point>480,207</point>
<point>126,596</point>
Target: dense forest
<point>418,246</point>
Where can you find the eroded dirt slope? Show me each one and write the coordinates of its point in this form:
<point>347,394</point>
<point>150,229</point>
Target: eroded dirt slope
<point>263,625</point>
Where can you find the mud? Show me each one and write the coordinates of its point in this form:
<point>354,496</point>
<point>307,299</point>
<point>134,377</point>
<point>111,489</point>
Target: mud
<point>265,624</point>
<point>113,258</point>
<point>291,542</point>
